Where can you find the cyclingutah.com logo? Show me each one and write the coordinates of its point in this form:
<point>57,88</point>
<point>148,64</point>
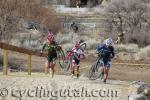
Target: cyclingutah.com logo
<point>3,92</point>
<point>40,92</point>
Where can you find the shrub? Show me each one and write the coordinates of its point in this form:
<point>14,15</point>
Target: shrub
<point>144,53</point>
<point>129,48</point>
<point>14,12</point>
<point>64,38</point>
<point>68,46</point>
<point>129,16</point>
<point>92,43</point>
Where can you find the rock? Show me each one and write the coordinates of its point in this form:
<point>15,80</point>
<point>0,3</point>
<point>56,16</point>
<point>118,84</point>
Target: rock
<point>147,92</point>
<point>137,97</point>
<point>138,87</point>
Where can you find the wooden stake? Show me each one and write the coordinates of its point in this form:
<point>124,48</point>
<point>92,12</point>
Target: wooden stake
<point>5,62</point>
<point>29,64</point>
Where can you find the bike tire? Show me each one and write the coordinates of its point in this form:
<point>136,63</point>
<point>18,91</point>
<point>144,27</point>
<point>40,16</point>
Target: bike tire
<point>98,72</point>
<point>68,64</point>
<point>91,72</point>
<point>64,63</point>
<point>61,58</point>
<point>94,72</point>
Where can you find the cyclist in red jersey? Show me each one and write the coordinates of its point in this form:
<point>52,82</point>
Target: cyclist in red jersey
<point>78,55</point>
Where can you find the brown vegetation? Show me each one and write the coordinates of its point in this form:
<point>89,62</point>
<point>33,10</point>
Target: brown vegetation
<point>14,12</point>
<point>130,17</point>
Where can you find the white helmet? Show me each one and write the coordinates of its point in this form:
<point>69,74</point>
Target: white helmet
<point>109,41</point>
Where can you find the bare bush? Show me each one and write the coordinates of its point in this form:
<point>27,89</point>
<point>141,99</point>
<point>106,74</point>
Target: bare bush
<point>68,46</point>
<point>129,16</point>
<point>92,44</point>
<point>14,12</point>
<point>129,48</point>
<point>144,53</point>
<point>64,38</point>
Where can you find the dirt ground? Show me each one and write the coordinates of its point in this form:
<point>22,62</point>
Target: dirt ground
<point>117,72</point>
<point>123,72</point>
<point>128,73</point>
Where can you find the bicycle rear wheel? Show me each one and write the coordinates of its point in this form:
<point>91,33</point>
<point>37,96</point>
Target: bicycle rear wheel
<point>68,64</point>
<point>61,58</point>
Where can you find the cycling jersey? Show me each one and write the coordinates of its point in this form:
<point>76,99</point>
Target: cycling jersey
<point>51,50</point>
<point>107,53</point>
<point>77,55</point>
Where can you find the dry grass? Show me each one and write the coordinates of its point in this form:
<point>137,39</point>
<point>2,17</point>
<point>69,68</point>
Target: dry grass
<point>129,48</point>
<point>144,53</point>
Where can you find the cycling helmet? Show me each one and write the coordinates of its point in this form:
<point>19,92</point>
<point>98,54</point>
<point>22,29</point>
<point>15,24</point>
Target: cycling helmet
<point>50,37</point>
<point>109,42</point>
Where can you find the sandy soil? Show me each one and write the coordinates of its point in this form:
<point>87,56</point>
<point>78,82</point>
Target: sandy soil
<point>46,88</point>
<point>117,72</point>
<point>123,72</point>
<point>119,80</point>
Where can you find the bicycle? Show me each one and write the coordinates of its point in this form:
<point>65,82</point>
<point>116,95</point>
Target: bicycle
<point>66,62</point>
<point>95,71</point>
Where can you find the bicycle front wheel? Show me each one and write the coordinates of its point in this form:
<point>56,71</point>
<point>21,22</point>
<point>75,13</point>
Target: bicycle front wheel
<point>91,71</point>
<point>95,72</point>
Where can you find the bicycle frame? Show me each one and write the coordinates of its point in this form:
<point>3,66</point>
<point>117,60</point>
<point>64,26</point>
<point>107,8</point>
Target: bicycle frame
<point>66,61</point>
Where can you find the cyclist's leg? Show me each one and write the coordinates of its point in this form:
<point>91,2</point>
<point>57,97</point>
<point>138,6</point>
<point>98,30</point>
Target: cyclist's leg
<point>46,67</point>
<point>73,66</point>
<point>53,68</point>
<point>102,67</point>
<point>51,60</point>
<point>78,71</point>
<point>53,63</point>
<point>106,70</point>
<point>106,73</point>
<point>78,66</point>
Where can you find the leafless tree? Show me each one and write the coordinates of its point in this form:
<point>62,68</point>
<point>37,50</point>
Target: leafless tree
<point>13,12</point>
<point>128,16</point>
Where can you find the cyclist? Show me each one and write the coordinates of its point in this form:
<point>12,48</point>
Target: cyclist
<point>106,50</point>
<point>78,55</point>
<point>50,47</point>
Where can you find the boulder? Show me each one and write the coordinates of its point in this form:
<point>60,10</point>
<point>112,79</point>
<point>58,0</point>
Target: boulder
<point>138,97</point>
<point>138,87</point>
<point>147,92</point>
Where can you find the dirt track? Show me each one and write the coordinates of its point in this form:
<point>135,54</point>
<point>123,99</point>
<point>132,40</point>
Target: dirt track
<point>123,72</point>
<point>45,88</point>
<point>21,81</point>
<point>117,72</point>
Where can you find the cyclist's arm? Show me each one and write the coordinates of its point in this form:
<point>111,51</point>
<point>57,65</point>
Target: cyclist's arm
<point>100,47</point>
<point>112,52</point>
<point>44,45</point>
